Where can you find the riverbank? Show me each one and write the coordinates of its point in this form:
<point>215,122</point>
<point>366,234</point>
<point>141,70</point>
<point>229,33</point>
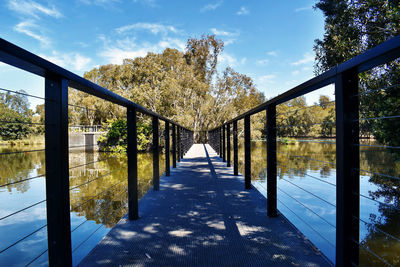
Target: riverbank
<point>32,140</point>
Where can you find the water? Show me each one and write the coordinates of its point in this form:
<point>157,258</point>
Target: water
<point>98,200</point>
<point>98,203</point>
<point>307,195</point>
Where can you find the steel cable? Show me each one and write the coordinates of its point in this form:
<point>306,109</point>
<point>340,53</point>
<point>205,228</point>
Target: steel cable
<point>21,210</point>
<point>316,214</point>
<point>21,239</point>
<point>301,219</point>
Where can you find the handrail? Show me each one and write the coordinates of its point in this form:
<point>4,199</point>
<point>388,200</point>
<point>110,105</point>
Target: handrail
<point>23,59</point>
<point>373,57</point>
<point>345,78</point>
<point>57,83</point>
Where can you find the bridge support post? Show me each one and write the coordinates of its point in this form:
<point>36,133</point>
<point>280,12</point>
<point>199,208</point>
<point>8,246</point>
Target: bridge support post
<point>132,165</point>
<point>228,145</point>
<point>347,169</point>
<point>182,143</point>
<point>57,172</point>
<point>235,149</point>
<point>156,154</point>
<point>173,146</point>
<point>178,130</point>
<point>223,144</point>
<point>220,143</point>
<point>271,162</point>
<point>167,156</point>
<point>247,152</point>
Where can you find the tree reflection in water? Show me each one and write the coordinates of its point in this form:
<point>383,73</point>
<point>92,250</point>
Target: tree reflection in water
<point>99,194</point>
<point>379,228</point>
<point>98,197</point>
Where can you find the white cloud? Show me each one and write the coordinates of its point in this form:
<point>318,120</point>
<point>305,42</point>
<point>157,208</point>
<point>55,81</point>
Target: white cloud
<point>227,59</point>
<point>272,53</point>
<point>295,72</point>
<point>30,13</point>
<point>267,78</point>
<point>211,6</point>
<point>29,28</point>
<point>223,33</point>
<point>33,9</point>
<point>305,8</point>
<point>263,62</point>
<point>154,28</point>
<point>307,58</point>
<point>74,61</point>
<point>243,11</point>
<point>116,51</point>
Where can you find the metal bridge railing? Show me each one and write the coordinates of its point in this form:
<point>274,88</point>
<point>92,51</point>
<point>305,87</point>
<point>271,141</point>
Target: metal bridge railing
<point>345,78</point>
<point>57,180</point>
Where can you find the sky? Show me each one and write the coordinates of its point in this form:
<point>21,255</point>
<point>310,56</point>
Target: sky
<point>270,41</point>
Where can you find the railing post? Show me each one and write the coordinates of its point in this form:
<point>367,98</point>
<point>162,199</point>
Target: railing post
<point>173,146</point>
<point>167,163</point>
<point>347,169</point>
<point>182,148</point>
<point>271,161</point>
<point>132,165</point>
<point>220,142</point>
<point>235,149</point>
<point>57,172</point>
<point>223,144</point>
<point>178,129</point>
<point>247,152</point>
<point>228,145</point>
<point>156,170</point>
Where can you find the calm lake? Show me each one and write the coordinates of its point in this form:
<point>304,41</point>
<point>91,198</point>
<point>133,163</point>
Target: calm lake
<point>306,194</point>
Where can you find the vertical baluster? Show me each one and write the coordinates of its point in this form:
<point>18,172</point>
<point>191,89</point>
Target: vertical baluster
<point>235,149</point>
<point>57,172</point>
<point>133,197</point>
<point>220,142</point>
<point>183,143</point>
<point>247,152</point>
<point>271,161</point>
<point>156,169</point>
<point>347,165</point>
<point>223,144</point>
<point>178,128</point>
<point>228,145</point>
<point>167,163</point>
<point>173,146</point>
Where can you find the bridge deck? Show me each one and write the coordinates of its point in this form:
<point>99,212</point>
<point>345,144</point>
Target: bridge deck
<point>202,216</point>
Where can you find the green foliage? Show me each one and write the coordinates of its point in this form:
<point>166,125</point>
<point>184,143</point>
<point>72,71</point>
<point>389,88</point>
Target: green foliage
<point>296,119</point>
<point>352,27</point>
<point>178,85</point>
<point>115,139</point>
<point>14,108</point>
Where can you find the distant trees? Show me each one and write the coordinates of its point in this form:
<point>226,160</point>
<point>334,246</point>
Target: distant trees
<point>15,116</point>
<point>183,86</point>
<point>296,119</point>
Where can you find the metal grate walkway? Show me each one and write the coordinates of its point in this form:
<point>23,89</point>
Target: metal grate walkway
<point>202,216</point>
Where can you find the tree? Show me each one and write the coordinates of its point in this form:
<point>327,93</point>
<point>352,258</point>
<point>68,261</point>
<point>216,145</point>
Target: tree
<point>352,27</point>
<point>15,116</point>
<point>202,54</point>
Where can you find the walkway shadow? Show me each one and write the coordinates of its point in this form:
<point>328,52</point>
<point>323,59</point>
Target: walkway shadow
<point>202,217</point>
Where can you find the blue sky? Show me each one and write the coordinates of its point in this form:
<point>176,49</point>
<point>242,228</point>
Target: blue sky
<point>270,41</point>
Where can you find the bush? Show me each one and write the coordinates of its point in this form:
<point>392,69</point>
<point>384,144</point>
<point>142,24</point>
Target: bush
<point>115,139</point>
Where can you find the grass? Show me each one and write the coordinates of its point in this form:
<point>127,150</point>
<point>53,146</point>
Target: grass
<point>31,140</point>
